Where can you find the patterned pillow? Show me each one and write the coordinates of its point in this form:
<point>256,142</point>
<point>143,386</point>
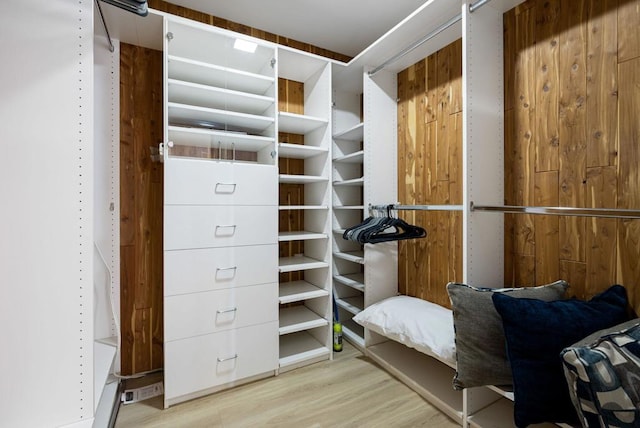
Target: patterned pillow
<point>604,377</point>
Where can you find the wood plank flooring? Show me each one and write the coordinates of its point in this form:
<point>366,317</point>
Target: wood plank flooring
<point>350,391</point>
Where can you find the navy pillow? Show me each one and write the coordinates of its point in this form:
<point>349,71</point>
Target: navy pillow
<point>536,332</point>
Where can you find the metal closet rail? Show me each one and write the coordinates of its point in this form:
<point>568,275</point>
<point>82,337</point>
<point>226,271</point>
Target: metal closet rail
<point>619,213</point>
<point>560,211</point>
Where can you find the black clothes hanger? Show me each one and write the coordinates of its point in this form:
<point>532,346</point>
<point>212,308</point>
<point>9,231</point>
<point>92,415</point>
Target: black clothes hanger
<point>382,229</point>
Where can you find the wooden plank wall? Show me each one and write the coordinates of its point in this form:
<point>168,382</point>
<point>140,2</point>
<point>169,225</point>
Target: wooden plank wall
<point>184,12</point>
<point>430,172</point>
<point>140,209</point>
<point>291,100</point>
<point>572,138</point>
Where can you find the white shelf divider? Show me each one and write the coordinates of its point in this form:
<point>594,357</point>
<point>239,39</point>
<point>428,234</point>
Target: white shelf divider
<point>355,158</point>
<point>302,207</point>
<point>296,263</point>
<point>301,179</point>
<point>199,137</point>
<point>299,123</point>
<point>299,347</point>
<point>352,256</point>
<point>299,318</point>
<point>299,151</point>
<point>355,133</point>
<point>353,304</point>
<point>353,280</point>
<point>296,291</point>
<point>354,182</point>
<point>215,75</point>
<point>300,236</point>
<point>183,114</point>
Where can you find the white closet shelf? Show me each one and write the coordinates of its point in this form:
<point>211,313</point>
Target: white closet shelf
<point>301,179</point>
<point>296,263</point>
<point>427,376</point>
<point>356,158</point>
<point>351,256</point>
<point>508,394</point>
<point>355,133</point>
<point>219,98</point>
<point>299,123</point>
<point>348,207</point>
<point>353,280</point>
<point>354,304</point>
<point>296,291</point>
<point>300,236</point>
<point>186,114</point>
<point>214,75</point>
<point>299,318</point>
<point>302,207</point>
<point>354,182</point>
<point>299,151</point>
<point>298,347</point>
<point>198,137</point>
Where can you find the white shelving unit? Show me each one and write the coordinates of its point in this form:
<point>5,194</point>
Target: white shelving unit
<point>219,310</point>
<point>305,304</point>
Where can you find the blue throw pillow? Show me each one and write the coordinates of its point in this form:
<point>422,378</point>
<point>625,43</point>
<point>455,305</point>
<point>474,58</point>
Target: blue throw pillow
<point>536,332</point>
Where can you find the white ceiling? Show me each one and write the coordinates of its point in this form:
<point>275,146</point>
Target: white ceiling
<point>343,26</point>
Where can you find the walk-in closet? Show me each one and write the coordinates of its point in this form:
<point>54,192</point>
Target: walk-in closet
<point>212,212</point>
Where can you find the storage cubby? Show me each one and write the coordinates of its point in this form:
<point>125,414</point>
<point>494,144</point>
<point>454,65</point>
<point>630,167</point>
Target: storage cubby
<point>304,153</point>
<point>220,99</point>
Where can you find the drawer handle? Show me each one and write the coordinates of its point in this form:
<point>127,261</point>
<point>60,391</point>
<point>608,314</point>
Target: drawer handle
<point>222,360</point>
<point>220,188</point>
<point>225,311</point>
<point>233,268</point>
<point>227,226</point>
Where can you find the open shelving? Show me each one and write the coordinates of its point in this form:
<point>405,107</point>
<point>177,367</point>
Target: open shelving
<point>304,156</point>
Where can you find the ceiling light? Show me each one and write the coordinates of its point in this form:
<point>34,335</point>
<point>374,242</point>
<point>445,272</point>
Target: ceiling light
<point>244,45</point>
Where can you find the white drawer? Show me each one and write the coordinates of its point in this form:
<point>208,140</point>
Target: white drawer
<point>206,182</point>
<point>206,226</point>
<point>190,271</point>
<point>196,314</point>
<point>202,362</point>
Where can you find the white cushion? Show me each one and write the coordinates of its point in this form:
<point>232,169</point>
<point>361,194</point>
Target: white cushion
<point>415,323</point>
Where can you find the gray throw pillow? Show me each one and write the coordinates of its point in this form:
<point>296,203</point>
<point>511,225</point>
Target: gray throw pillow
<point>481,357</point>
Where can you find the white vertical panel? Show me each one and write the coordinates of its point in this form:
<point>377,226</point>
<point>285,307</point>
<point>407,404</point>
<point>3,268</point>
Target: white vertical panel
<point>483,128</point>
<point>106,187</point>
<point>381,185</point>
<point>46,224</point>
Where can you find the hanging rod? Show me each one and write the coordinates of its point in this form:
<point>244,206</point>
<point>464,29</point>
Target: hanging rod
<point>472,7</point>
<point>398,207</point>
<point>562,211</point>
<point>104,24</point>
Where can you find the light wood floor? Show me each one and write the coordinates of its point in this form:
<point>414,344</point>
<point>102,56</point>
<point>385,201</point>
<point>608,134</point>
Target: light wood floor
<point>350,391</point>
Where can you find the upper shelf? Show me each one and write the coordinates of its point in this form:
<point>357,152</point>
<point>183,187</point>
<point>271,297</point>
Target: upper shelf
<point>214,75</point>
<point>213,97</point>
<point>299,123</point>
<point>182,114</point>
<point>299,151</point>
<point>355,133</point>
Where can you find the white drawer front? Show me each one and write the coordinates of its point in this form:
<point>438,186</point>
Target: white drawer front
<point>202,362</point>
<point>190,271</point>
<point>195,314</point>
<point>206,182</point>
<point>198,226</point>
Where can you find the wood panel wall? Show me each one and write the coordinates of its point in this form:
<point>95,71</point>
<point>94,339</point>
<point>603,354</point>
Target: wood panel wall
<point>291,100</point>
<point>184,12</point>
<point>141,205</point>
<point>430,172</point>
<point>572,138</point>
